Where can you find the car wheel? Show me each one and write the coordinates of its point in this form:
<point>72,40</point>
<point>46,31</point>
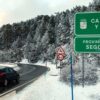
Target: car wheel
<point>5,82</point>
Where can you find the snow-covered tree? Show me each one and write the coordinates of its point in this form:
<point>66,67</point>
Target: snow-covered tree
<point>17,43</point>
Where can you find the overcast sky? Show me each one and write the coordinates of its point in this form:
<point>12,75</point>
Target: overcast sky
<point>17,10</point>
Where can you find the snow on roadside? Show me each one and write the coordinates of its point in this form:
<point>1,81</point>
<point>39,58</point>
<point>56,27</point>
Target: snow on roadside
<point>12,65</point>
<point>48,87</point>
<point>8,64</point>
<point>87,93</point>
<point>24,61</point>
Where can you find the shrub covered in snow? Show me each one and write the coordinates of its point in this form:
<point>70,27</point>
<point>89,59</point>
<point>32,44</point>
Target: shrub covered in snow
<point>90,74</point>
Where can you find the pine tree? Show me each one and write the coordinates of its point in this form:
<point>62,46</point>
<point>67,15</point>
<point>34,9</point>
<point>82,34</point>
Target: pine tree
<point>17,43</point>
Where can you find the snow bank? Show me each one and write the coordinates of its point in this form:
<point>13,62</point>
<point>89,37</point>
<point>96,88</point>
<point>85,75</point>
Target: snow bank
<point>8,64</point>
<point>12,65</point>
<point>11,95</point>
<point>24,61</point>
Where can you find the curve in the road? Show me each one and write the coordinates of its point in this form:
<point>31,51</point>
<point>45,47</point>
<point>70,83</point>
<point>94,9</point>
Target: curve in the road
<point>32,72</point>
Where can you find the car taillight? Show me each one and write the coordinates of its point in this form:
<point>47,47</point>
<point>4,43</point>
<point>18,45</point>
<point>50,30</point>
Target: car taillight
<point>2,74</point>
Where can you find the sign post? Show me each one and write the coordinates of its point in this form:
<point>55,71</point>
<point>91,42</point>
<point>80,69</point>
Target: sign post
<point>87,24</point>
<point>71,79</point>
<point>83,70</point>
<point>87,34</point>
<point>60,55</point>
<point>87,44</point>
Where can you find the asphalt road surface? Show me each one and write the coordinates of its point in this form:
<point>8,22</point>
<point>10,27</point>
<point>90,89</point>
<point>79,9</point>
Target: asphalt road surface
<point>28,73</point>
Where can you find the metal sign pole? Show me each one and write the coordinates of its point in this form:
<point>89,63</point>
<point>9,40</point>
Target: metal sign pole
<point>83,70</point>
<point>56,63</point>
<point>71,71</point>
<point>60,68</point>
<point>46,63</point>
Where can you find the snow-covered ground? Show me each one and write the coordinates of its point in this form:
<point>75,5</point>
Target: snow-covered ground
<point>13,65</point>
<point>48,87</point>
<point>24,61</point>
<point>8,64</point>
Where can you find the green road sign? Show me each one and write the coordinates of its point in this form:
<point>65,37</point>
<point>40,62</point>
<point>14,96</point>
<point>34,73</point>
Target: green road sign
<point>87,45</point>
<point>87,24</point>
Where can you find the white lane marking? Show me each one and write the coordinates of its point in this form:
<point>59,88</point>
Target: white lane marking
<point>28,72</point>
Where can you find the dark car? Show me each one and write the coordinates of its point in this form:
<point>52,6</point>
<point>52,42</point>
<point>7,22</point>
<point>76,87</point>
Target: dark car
<point>7,75</point>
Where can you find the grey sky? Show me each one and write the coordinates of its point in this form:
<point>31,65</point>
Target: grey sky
<point>17,10</point>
